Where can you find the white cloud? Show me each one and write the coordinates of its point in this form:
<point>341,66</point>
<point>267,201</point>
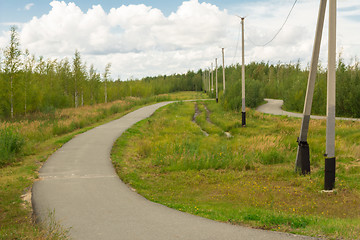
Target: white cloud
<point>141,41</point>
<point>28,6</point>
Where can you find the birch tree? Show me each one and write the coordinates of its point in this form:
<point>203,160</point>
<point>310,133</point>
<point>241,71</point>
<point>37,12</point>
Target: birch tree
<point>12,64</point>
<point>29,66</point>
<point>106,75</point>
<point>78,75</point>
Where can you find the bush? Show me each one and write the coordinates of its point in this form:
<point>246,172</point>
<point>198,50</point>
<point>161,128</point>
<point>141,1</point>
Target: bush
<point>254,95</point>
<point>11,144</point>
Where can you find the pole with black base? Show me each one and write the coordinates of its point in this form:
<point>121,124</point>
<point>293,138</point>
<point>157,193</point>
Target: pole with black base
<point>223,68</point>
<point>303,157</point>
<point>330,166</point>
<point>212,78</point>
<point>243,77</point>
<point>303,154</point>
<point>216,79</point>
<point>209,81</point>
<point>330,109</point>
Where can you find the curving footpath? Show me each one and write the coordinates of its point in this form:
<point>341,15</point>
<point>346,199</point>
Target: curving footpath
<point>79,182</point>
<point>273,106</point>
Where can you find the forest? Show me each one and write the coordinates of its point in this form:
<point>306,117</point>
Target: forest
<point>30,85</point>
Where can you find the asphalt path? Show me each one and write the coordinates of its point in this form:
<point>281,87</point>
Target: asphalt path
<point>79,183</point>
<point>274,107</point>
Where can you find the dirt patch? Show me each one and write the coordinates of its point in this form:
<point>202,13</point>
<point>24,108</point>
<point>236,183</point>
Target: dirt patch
<point>26,197</point>
<point>197,112</point>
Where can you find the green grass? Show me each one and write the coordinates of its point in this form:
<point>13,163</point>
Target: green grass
<point>248,179</point>
<point>11,144</point>
<point>205,123</point>
<point>17,177</point>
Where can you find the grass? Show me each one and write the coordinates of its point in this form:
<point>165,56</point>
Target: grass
<point>11,144</point>
<point>247,179</point>
<point>43,134</point>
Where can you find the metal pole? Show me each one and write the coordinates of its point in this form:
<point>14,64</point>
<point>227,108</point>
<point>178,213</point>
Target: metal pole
<point>330,110</point>
<point>223,70</point>
<point>216,81</point>
<point>243,76</point>
<point>303,155</point>
<point>212,78</point>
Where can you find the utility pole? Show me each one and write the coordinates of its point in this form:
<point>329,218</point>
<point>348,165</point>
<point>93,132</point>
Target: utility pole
<point>212,78</point>
<point>203,80</point>
<point>330,110</point>
<point>303,155</point>
<point>243,76</point>
<point>216,79</point>
<point>223,61</point>
<point>209,81</point>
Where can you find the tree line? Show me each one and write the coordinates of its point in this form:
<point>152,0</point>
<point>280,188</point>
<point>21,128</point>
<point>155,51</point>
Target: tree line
<point>30,85</point>
<point>289,82</point>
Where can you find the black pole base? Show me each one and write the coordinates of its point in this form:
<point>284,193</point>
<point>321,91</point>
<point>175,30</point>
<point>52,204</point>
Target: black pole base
<point>243,119</point>
<point>303,157</point>
<point>217,100</point>
<point>330,173</point>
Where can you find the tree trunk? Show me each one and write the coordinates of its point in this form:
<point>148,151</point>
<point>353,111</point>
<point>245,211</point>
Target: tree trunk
<point>105,93</point>
<point>11,97</point>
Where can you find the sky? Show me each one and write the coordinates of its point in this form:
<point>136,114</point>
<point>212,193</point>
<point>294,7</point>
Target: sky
<point>149,38</point>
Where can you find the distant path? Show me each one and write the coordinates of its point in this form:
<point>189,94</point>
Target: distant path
<point>79,182</point>
<point>273,106</point>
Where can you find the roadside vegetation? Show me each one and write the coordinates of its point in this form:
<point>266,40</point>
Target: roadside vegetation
<point>27,143</point>
<point>205,164</point>
<point>246,179</point>
<point>31,84</point>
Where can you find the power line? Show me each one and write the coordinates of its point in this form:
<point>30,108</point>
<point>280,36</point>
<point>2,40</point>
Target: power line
<point>282,26</point>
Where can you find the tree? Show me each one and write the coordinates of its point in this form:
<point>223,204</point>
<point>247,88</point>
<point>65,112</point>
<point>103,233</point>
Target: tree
<point>78,75</point>
<point>106,75</point>
<point>94,84</point>
<point>12,64</point>
<point>29,66</point>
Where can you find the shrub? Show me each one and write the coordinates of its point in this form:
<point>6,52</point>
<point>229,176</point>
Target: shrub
<point>11,144</point>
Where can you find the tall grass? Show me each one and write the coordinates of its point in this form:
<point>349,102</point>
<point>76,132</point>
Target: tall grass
<point>11,145</point>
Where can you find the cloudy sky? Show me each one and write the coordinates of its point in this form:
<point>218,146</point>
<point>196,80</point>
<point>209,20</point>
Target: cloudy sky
<point>146,38</point>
